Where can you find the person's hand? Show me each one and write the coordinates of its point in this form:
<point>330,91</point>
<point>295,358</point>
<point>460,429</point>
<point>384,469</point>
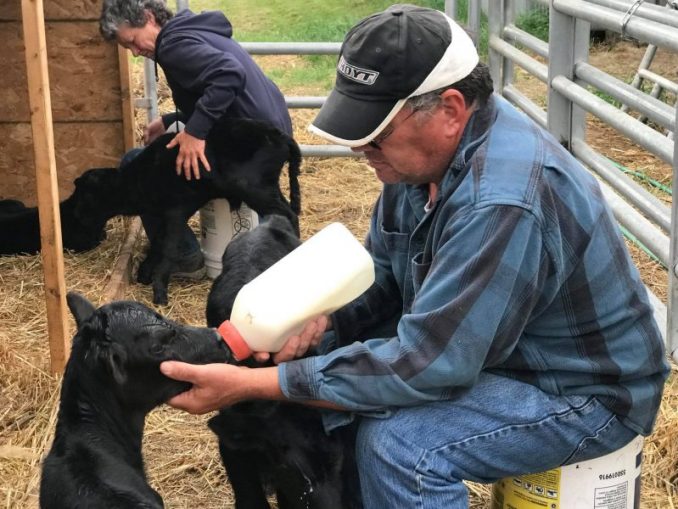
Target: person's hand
<point>191,153</point>
<point>297,346</point>
<point>153,130</point>
<point>214,385</point>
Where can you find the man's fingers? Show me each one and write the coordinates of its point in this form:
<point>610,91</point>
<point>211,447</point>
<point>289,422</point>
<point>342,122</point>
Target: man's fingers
<point>178,371</point>
<point>182,401</point>
<point>261,357</point>
<point>289,351</point>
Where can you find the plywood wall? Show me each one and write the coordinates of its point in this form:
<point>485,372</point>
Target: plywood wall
<point>85,88</point>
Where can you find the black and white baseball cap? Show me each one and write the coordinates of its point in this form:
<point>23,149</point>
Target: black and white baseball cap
<point>385,59</point>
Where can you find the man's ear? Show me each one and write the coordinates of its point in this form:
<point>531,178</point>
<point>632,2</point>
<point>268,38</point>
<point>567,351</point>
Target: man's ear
<point>80,307</point>
<point>456,112</point>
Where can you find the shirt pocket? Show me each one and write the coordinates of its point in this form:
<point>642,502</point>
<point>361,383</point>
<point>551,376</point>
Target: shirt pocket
<point>420,270</point>
<point>395,241</point>
<point>396,249</point>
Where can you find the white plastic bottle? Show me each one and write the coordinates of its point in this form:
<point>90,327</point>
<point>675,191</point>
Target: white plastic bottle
<point>327,271</point>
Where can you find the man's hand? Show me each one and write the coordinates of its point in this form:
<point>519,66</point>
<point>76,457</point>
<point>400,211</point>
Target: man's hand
<point>297,346</point>
<point>191,153</point>
<point>217,386</point>
<point>153,130</point>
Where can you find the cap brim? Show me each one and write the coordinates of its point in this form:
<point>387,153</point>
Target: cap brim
<point>347,121</point>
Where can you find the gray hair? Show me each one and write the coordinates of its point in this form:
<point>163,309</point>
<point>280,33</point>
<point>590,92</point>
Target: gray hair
<point>116,13</point>
<point>476,89</point>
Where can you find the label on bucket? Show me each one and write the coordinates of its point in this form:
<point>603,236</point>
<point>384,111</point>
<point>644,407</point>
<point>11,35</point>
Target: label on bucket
<point>608,482</point>
<point>534,491</point>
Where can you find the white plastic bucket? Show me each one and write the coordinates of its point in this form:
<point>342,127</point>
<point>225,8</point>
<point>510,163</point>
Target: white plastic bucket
<point>219,223</point>
<point>608,482</point>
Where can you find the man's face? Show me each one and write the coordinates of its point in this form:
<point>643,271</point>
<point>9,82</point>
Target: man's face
<point>417,149</point>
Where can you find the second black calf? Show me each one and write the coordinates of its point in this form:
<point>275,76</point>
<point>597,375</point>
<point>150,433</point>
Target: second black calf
<point>267,445</point>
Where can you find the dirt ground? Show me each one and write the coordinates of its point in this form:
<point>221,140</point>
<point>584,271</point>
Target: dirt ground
<point>181,455</point>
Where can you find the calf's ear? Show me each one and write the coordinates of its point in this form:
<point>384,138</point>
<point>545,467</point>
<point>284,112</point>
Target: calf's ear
<point>115,358</point>
<point>80,307</point>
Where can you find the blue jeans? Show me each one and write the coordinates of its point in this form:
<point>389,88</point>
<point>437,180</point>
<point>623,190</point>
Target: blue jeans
<point>418,456</point>
<point>188,244</point>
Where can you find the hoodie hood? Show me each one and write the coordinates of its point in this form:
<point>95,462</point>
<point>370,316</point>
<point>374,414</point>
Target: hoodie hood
<point>187,21</point>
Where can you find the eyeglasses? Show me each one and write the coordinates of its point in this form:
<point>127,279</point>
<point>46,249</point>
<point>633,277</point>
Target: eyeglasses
<point>388,131</point>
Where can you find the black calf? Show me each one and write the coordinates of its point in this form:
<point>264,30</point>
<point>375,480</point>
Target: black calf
<point>246,158</point>
<point>265,444</point>
<point>20,228</point>
<point>10,206</point>
<point>112,381</point>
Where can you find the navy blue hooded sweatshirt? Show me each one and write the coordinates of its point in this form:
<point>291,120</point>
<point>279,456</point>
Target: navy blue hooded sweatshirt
<point>212,76</point>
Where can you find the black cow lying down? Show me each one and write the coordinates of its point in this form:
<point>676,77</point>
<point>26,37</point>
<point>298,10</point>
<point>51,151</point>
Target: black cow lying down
<point>20,228</point>
<point>112,380</point>
<point>270,445</point>
<point>246,158</point>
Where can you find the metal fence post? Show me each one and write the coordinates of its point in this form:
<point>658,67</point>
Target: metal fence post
<point>474,14</point>
<point>495,19</point>
<point>451,8</point>
<point>150,100</point>
<point>672,319</point>
<point>565,120</point>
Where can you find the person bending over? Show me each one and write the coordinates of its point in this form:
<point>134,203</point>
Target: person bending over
<point>211,77</point>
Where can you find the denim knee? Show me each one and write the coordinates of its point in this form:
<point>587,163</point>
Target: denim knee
<point>393,469</point>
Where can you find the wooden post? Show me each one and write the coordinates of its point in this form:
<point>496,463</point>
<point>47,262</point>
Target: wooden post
<point>126,98</point>
<point>45,169</point>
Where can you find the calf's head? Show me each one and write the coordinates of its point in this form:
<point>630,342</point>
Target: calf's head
<point>96,196</point>
<point>123,343</point>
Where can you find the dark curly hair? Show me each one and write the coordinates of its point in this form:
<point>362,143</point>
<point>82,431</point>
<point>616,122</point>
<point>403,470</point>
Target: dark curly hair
<point>115,13</point>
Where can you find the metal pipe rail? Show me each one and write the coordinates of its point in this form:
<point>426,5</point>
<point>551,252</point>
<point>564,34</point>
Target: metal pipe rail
<point>640,28</point>
<point>652,108</point>
<point>644,230</point>
<point>527,105</point>
<point>648,11</point>
<point>660,80</point>
<point>292,48</point>
<point>328,151</point>
<point>516,56</point>
<point>645,136</point>
<point>305,101</point>
<point>531,42</point>
<point>651,206</point>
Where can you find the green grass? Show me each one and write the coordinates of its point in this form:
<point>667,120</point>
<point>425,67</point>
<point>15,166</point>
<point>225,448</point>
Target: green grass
<point>535,22</point>
<point>298,21</point>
